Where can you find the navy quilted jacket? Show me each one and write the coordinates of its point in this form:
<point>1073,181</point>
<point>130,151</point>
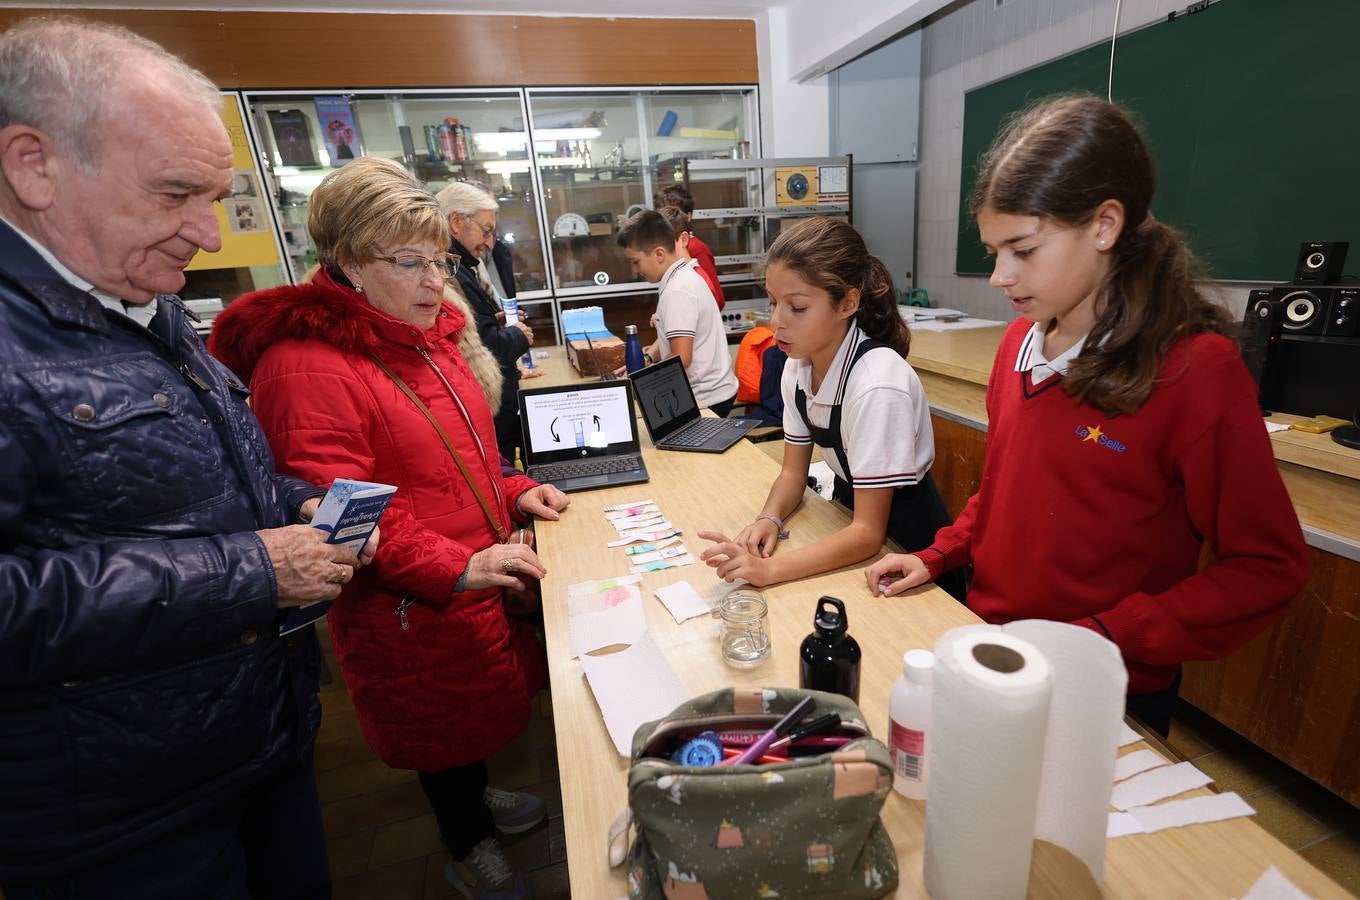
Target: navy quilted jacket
<point>142,682</point>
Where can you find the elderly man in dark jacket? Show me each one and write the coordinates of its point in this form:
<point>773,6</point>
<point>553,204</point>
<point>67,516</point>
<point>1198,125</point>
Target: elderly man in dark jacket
<point>157,729</point>
<point>472,214</point>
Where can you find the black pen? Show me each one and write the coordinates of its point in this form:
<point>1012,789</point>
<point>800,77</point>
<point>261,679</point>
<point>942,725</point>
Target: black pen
<point>815,726</point>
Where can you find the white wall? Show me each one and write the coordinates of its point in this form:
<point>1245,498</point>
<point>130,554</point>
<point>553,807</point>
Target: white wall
<point>826,35</point>
<point>794,117</point>
<point>972,43</point>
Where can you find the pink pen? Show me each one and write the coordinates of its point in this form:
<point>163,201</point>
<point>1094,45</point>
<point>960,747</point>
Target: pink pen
<point>783,727</point>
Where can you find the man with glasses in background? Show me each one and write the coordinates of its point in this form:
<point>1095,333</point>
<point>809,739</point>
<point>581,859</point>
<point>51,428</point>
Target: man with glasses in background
<point>471,210</point>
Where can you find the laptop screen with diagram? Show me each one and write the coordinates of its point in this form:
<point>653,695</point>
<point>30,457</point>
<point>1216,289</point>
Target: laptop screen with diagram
<point>575,421</point>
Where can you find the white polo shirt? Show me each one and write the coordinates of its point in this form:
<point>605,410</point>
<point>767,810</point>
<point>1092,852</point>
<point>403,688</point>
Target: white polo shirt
<point>1031,357</point>
<point>885,420</point>
<point>686,309</point>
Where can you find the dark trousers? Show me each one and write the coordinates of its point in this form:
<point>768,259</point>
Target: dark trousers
<point>722,409</point>
<point>269,845</point>
<point>509,438</point>
<point>456,796</point>
<point>1154,710</point>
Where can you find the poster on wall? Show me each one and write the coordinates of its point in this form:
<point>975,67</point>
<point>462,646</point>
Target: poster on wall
<point>337,127</point>
<point>245,214</point>
<point>292,137</point>
<point>243,220</point>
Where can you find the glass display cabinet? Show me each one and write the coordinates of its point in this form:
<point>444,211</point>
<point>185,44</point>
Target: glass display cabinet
<point>602,156</point>
<point>567,166</point>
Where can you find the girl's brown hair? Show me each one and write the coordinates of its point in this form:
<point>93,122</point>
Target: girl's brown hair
<point>1061,159</point>
<point>829,254</point>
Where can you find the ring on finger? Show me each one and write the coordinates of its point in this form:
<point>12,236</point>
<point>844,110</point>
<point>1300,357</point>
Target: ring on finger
<point>507,565</point>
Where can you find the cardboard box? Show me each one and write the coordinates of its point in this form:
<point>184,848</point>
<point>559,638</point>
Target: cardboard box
<point>592,349</point>
<point>607,351</point>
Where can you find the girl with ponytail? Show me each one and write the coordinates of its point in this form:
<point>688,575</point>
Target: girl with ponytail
<point>848,389</point>
<point>1123,428</point>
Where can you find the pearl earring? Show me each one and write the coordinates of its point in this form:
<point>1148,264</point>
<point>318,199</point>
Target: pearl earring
<point>359,288</point>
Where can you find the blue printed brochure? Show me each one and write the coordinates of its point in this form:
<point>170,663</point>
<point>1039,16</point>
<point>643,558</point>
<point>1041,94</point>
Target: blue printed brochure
<point>348,513</point>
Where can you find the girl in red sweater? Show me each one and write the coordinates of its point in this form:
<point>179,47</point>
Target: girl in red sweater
<point>1123,428</point>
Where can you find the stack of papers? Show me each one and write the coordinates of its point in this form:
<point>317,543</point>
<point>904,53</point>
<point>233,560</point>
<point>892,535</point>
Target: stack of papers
<point>922,318</point>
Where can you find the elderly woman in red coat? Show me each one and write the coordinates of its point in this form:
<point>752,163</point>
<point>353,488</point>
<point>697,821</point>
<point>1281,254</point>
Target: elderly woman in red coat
<point>440,676</point>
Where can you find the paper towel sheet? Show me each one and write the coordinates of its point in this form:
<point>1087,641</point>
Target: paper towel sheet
<point>682,601</point>
<point>601,613</point>
<point>1131,764</point>
<point>1122,823</point>
<point>1083,737</point>
<point>1158,784</point>
<point>1127,735</point>
<point>1196,810</point>
<point>633,687</point>
<point>1272,885</point>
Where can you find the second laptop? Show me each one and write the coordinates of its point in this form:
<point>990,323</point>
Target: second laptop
<point>672,414</point>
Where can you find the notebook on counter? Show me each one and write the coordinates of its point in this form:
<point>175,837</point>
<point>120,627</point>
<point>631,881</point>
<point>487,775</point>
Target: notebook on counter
<point>581,436</point>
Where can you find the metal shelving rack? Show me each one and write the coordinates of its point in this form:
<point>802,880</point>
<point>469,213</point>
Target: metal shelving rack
<point>766,169</point>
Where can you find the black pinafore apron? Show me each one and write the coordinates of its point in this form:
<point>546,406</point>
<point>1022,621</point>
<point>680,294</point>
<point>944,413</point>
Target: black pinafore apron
<point>917,511</point>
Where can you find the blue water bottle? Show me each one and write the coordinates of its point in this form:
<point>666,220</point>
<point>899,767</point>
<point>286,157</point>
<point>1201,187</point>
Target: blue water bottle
<point>632,350</point>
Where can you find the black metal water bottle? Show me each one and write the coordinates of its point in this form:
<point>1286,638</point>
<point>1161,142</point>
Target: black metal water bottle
<point>829,657</point>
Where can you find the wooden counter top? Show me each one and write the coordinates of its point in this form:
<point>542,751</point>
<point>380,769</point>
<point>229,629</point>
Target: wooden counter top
<point>1220,860</point>
<point>966,355</point>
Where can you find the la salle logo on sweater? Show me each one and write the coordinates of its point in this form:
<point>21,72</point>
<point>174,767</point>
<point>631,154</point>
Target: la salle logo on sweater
<point>1095,435</point>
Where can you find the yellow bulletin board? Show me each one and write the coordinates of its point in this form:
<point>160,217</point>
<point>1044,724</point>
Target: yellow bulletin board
<point>248,237</point>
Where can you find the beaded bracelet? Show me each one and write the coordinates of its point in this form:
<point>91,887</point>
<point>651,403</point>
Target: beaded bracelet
<point>778,523</point>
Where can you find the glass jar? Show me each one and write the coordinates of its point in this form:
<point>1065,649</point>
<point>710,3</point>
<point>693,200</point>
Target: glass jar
<point>744,641</point>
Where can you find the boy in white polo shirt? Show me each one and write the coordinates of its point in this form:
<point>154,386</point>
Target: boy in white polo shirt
<point>687,321</point>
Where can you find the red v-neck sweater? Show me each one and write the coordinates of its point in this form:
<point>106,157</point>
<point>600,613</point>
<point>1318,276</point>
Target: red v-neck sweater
<point>1099,521</point>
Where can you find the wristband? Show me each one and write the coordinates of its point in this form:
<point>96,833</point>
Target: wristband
<point>778,523</point>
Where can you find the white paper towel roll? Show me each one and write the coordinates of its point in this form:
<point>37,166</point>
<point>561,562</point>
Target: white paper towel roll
<point>1066,782</point>
<point>984,751</point>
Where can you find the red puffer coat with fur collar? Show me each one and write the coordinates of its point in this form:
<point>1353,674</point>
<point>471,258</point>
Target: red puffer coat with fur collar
<point>456,684</point>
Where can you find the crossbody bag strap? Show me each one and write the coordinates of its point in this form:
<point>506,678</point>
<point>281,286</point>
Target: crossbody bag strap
<point>501,534</point>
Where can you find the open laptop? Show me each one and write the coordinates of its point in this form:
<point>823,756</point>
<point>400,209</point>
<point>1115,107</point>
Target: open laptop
<point>580,436</point>
<point>672,415</point>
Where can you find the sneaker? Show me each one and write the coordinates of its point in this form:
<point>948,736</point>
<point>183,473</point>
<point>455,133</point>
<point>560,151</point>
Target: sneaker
<point>514,813</point>
<point>485,874</point>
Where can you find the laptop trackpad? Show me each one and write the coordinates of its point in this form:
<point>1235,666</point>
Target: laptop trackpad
<point>587,481</point>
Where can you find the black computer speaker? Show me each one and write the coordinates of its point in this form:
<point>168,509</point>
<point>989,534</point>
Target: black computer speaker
<point>1320,262</point>
<point>1260,330</point>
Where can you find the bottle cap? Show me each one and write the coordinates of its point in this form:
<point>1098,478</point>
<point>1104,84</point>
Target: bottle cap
<point>830,620</point>
<point>917,666</point>
<point>630,329</point>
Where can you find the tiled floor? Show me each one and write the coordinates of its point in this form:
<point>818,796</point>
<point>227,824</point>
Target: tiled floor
<point>382,837</point>
<point>1322,828</point>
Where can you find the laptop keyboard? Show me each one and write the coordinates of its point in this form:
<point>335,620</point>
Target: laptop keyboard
<point>697,433</point>
<point>579,468</point>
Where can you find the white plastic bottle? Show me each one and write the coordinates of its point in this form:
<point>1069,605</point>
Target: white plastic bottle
<point>909,712</point>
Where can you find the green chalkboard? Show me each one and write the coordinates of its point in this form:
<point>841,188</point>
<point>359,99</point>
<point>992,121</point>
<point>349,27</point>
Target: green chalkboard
<point>1252,110</point>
